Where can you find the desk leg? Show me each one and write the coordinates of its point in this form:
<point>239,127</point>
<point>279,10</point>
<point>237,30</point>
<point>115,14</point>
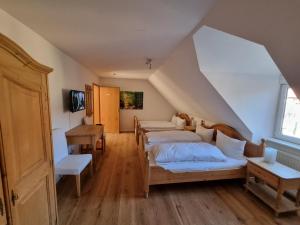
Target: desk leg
<point>78,185</point>
<point>247,179</point>
<point>94,151</point>
<point>298,198</point>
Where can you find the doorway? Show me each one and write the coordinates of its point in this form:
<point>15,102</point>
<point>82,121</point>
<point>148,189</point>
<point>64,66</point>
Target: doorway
<point>107,107</point>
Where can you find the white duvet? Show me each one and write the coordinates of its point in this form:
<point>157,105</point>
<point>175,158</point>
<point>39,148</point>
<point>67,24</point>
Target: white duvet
<point>187,152</point>
<point>184,167</point>
<point>172,136</point>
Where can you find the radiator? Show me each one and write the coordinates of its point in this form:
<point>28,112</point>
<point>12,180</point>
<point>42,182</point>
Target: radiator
<point>288,159</point>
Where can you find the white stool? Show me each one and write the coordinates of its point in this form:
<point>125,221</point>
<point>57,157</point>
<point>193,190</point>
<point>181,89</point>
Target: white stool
<point>66,164</point>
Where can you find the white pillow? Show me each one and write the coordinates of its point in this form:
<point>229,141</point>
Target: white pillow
<point>180,123</point>
<point>173,120</point>
<point>205,134</point>
<point>231,147</point>
<point>184,152</point>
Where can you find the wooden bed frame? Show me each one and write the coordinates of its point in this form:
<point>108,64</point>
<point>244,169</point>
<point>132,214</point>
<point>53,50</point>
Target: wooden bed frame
<point>138,129</point>
<point>154,175</point>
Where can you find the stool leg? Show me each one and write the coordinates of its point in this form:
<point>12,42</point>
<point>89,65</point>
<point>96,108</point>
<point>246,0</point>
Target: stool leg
<point>78,185</point>
<point>91,168</point>
<point>298,198</point>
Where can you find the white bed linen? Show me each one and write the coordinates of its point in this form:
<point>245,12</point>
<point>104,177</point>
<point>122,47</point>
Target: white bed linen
<point>157,125</point>
<point>182,167</point>
<point>179,152</point>
<point>172,136</point>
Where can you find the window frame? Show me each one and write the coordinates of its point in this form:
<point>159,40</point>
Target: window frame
<point>280,116</point>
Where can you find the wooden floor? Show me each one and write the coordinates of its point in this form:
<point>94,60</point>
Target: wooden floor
<point>114,196</point>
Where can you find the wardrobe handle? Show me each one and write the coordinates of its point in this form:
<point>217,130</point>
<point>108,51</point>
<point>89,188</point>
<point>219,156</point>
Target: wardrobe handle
<point>1,207</point>
<point>14,197</point>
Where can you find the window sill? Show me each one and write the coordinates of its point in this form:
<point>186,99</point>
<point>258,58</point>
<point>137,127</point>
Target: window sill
<point>284,146</point>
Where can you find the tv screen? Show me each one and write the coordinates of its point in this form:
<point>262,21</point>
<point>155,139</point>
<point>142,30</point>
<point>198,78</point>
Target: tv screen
<point>77,100</point>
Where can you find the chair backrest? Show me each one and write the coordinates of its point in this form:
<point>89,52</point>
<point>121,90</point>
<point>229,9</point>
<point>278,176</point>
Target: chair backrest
<point>87,120</point>
<point>60,147</point>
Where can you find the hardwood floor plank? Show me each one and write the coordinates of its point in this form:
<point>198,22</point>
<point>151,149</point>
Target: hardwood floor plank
<point>114,196</point>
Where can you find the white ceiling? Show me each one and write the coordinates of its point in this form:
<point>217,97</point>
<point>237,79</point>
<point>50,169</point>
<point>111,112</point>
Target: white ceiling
<point>112,36</point>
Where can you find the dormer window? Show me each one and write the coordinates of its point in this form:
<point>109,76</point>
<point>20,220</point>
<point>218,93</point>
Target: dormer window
<point>288,117</point>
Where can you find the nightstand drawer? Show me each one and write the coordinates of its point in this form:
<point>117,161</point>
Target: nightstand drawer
<point>263,174</point>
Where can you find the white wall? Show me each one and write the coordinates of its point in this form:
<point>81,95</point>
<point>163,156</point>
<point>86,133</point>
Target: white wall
<point>253,98</point>
<point>180,81</point>
<point>67,74</point>
<point>155,106</point>
<point>244,74</point>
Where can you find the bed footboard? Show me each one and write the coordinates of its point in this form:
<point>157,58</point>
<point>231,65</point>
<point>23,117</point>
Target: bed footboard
<point>136,129</point>
<point>145,165</point>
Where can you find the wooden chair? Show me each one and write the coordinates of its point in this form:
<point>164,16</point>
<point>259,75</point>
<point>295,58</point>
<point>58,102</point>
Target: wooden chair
<point>66,164</point>
<point>101,143</point>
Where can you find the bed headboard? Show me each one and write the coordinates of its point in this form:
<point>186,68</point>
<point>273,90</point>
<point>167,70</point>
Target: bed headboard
<point>185,117</point>
<point>251,149</point>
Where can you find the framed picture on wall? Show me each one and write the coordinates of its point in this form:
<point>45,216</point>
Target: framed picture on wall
<point>131,100</point>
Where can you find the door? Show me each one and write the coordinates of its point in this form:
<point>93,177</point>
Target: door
<point>26,138</point>
<point>110,108</point>
<point>96,104</point>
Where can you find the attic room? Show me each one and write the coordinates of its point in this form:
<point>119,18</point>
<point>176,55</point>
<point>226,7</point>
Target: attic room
<point>150,112</point>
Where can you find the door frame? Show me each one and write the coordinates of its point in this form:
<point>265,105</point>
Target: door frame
<point>93,94</point>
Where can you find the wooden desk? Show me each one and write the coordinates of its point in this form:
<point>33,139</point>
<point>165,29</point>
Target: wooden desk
<point>278,176</point>
<point>85,134</point>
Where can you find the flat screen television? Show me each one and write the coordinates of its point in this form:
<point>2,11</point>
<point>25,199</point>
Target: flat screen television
<point>77,100</point>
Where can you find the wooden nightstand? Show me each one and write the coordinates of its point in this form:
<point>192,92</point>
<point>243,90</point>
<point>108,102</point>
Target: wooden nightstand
<point>190,128</point>
<point>278,176</point>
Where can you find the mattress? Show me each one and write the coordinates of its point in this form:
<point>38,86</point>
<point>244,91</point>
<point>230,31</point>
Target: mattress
<point>157,125</point>
<point>182,167</point>
<point>171,136</point>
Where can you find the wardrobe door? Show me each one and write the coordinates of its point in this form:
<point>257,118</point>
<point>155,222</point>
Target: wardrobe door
<point>3,220</point>
<point>26,137</point>
<point>110,108</point>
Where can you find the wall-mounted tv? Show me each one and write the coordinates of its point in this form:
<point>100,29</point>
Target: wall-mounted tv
<point>77,100</point>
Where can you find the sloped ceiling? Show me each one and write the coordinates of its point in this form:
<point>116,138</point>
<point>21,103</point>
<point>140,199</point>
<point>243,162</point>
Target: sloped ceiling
<point>272,23</point>
<point>181,82</point>
<point>220,52</point>
<point>112,36</point>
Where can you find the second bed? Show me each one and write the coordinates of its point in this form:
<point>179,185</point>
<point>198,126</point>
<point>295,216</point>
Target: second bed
<point>165,168</point>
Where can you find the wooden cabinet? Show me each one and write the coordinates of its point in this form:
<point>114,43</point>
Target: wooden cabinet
<point>278,176</point>
<point>26,148</point>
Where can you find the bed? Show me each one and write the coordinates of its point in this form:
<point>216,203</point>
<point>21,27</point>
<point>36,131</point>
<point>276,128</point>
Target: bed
<point>157,125</point>
<point>154,173</point>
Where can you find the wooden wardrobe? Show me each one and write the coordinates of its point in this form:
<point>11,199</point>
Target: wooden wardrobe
<point>27,189</point>
<point>107,107</point>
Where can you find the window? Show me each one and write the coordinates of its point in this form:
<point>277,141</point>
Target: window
<point>288,118</point>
